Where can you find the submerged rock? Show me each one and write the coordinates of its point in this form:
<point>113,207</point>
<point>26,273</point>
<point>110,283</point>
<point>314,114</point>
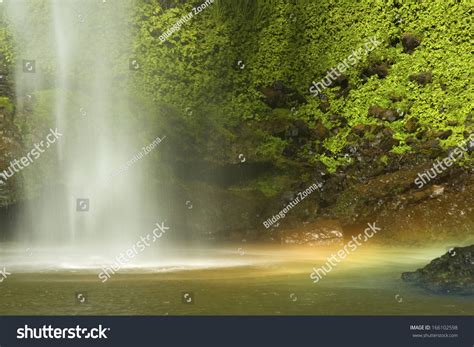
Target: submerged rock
<point>452,273</point>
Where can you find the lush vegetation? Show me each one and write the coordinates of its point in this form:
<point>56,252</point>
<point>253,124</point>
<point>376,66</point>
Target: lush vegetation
<point>232,85</point>
<point>218,62</point>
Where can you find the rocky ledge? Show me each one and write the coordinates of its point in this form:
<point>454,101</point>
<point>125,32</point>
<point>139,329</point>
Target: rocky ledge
<point>452,273</point>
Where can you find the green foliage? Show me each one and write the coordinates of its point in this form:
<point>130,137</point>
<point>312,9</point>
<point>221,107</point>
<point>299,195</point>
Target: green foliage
<point>204,80</point>
<point>296,42</point>
<point>6,105</point>
<point>268,185</point>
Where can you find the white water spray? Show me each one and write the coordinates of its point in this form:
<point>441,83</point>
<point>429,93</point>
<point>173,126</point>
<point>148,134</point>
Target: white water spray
<point>81,56</point>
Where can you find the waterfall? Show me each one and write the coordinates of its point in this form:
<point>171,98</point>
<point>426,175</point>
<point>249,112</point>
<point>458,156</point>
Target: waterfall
<point>82,61</point>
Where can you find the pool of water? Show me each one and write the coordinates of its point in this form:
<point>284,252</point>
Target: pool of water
<point>231,280</point>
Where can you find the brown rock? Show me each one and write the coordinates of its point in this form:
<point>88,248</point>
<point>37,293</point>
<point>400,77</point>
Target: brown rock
<point>378,68</point>
<point>324,106</point>
<point>359,129</point>
<point>321,232</point>
<point>411,125</point>
<point>410,42</point>
<point>320,131</point>
<point>442,134</point>
<point>422,78</point>
<point>382,113</point>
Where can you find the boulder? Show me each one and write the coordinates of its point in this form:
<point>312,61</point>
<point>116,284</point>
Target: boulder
<point>452,273</point>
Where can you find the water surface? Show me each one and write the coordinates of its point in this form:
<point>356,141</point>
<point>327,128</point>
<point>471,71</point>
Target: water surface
<point>235,280</point>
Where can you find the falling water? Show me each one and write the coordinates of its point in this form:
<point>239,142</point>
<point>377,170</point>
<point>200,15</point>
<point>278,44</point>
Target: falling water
<point>82,63</point>
<point>81,210</point>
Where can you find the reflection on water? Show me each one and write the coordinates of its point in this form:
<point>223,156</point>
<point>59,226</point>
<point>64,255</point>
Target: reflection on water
<point>230,280</point>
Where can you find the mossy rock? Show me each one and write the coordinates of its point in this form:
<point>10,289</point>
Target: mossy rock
<point>452,273</point>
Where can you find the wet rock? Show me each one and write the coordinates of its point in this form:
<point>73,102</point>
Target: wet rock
<point>288,196</point>
<point>302,127</point>
<point>393,41</point>
<point>442,134</point>
<point>340,80</point>
<point>324,106</point>
<point>343,92</point>
<point>436,190</point>
<point>384,140</point>
<point>378,68</point>
<point>432,144</point>
<point>410,140</point>
<point>273,97</point>
<point>421,134</point>
<point>411,125</point>
<point>422,78</point>
<point>280,96</point>
<point>320,232</point>
<point>452,273</point>
<point>410,42</point>
<point>395,98</point>
<point>278,124</point>
<point>360,130</point>
<point>383,114</point>
<point>320,132</point>
<point>388,143</point>
<point>338,119</point>
<point>417,195</point>
<point>292,132</point>
<point>289,151</point>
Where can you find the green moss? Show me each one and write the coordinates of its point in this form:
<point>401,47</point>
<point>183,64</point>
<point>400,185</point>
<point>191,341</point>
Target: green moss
<point>6,105</point>
<point>332,163</point>
<point>296,43</point>
<point>271,150</point>
<point>404,148</point>
<point>215,106</point>
<point>269,185</point>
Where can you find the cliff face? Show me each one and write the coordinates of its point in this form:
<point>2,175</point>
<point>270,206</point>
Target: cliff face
<point>234,90</point>
<point>242,79</point>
